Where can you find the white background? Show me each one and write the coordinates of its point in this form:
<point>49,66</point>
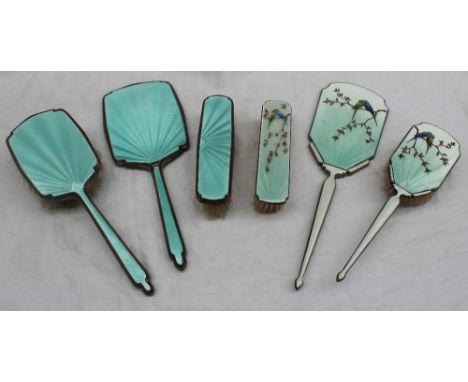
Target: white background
<point>58,260</point>
<point>210,35</point>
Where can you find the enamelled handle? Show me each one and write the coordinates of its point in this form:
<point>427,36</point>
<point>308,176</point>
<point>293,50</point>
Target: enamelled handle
<point>387,211</point>
<point>128,261</point>
<point>174,240</point>
<point>326,196</point>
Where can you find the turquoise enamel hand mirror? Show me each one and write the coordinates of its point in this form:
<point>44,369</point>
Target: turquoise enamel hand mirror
<point>344,137</point>
<point>418,167</point>
<point>146,129</point>
<point>57,159</point>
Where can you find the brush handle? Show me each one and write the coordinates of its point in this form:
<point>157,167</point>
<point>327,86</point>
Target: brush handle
<point>174,240</point>
<point>128,261</point>
<point>388,209</point>
<point>328,189</point>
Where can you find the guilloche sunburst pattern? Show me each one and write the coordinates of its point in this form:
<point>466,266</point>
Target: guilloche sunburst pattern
<point>144,123</point>
<point>215,149</point>
<point>53,153</point>
<point>423,159</point>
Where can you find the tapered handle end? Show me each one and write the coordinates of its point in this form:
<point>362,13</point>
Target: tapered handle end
<point>180,262</point>
<point>340,276</point>
<point>146,287</point>
<point>298,283</point>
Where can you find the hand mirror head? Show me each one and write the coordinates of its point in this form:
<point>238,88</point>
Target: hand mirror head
<point>144,124</point>
<point>347,126</point>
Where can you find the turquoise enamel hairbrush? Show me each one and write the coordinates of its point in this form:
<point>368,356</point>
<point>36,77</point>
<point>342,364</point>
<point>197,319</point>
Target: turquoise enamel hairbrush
<point>418,167</point>
<point>57,159</point>
<point>344,137</point>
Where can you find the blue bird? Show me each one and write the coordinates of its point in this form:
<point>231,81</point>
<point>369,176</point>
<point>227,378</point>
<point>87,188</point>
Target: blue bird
<point>276,114</point>
<point>279,113</point>
<point>362,103</point>
<point>426,136</point>
<point>423,135</point>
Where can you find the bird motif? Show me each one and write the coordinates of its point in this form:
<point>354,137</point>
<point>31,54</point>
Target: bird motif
<point>276,114</point>
<point>362,103</point>
<point>426,136</point>
<point>279,113</point>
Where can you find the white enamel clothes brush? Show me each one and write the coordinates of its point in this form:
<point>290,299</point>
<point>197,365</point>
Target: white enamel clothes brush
<point>274,153</point>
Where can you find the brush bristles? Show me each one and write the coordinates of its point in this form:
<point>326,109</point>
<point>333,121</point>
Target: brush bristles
<point>404,200</point>
<point>216,211</point>
<point>266,208</point>
<point>415,201</point>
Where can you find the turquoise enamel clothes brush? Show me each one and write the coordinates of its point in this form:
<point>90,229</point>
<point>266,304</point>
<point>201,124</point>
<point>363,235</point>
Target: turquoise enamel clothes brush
<point>57,159</point>
<point>145,127</point>
<point>215,154</point>
<point>344,138</point>
<point>418,167</point>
